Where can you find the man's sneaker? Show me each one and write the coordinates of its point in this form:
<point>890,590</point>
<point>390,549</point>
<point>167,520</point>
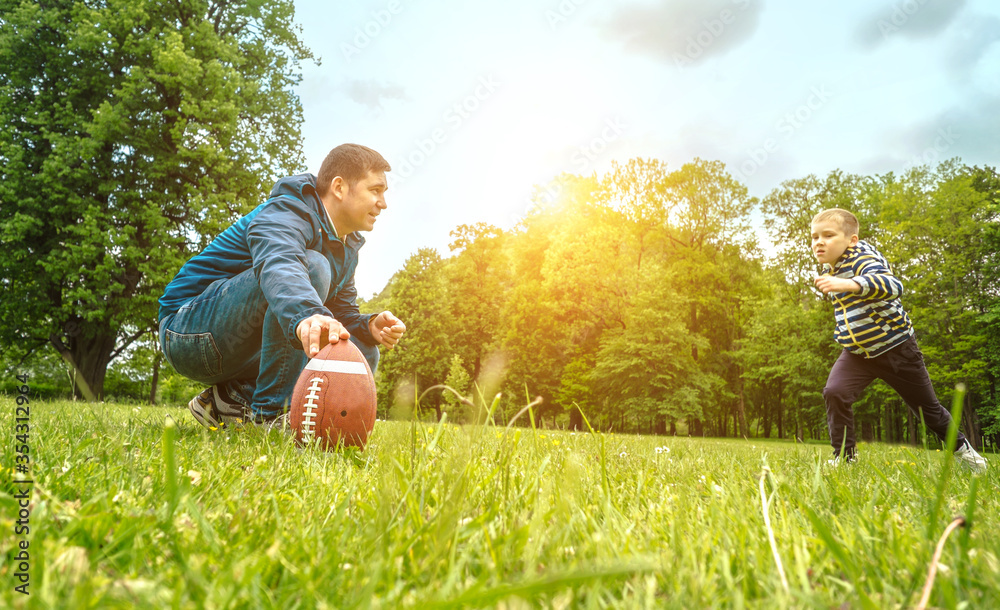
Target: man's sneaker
<point>213,410</point>
<point>969,458</point>
<point>278,422</point>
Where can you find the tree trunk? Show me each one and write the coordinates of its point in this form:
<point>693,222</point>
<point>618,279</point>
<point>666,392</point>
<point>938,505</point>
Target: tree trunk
<point>766,415</point>
<point>781,411</point>
<point>970,423</point>
<point>694,329</point>
<point>156,376</point>
<point>744,432</point>
<point>798,422</point>
<point>88,356</point>
<point>887,421</point>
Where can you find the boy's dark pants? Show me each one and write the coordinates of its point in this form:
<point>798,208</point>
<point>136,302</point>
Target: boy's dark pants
<point>903,369</point>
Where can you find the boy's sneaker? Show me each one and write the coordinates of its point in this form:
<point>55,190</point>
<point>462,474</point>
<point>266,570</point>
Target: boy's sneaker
<point>969,458</point>
<point>837,460</point>
<point>213,409</point>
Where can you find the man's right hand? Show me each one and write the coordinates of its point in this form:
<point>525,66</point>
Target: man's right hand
<point>316,331</point>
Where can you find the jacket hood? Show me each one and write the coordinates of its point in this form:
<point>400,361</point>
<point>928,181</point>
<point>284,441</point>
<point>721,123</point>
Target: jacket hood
<point>296,186</point>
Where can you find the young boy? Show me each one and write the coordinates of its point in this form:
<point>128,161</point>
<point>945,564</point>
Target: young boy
<point>877,336</point>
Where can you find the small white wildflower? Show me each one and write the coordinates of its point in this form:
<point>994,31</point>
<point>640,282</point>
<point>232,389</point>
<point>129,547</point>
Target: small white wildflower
<point>716,488</point>
<point>622,455</point>
<point>659,449</point>
<point>117,498</point>
<point>262,459</point>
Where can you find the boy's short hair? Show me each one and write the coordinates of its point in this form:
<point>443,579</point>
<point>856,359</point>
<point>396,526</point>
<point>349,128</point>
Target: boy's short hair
<point>352,162</point>
<point>848,222</point>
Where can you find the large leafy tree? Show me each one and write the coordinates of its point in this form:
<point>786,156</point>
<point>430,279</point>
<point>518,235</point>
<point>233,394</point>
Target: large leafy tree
<point>418,294</point>
<point>130,134</point>
<point>478,278</point>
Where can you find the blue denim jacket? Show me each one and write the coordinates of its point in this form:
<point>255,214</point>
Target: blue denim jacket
<point>273,239</point>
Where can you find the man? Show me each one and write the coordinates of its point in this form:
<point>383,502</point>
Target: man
<point>246,314</point>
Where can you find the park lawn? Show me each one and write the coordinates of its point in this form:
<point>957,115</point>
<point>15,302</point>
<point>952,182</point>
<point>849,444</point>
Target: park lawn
<point>479,516</point>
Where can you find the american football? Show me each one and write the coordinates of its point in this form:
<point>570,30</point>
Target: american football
<point>334,400</point>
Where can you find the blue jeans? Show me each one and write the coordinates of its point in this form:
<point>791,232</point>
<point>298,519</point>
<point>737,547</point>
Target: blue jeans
<point>227,337</point>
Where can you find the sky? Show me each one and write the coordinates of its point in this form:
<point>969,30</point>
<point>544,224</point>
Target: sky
<point>475,104</point>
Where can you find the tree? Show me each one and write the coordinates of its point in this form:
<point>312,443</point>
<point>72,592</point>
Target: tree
<point>648,368</point>
<point>418,294</point>
<point>555,310</point>
<point>459,380</point>
<point>478,278</point>
<point>131,133</point>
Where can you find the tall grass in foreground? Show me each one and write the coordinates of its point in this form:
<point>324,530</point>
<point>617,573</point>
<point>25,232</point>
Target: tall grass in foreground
<point>448,516</point>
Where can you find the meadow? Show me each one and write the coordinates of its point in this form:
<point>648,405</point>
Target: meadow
<point>138,507</point>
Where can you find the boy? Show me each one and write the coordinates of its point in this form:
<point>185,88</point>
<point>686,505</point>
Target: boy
<point>877,336</point>
<point>246,314</point>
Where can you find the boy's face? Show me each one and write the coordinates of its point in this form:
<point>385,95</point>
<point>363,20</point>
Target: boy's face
<point>829,241</point>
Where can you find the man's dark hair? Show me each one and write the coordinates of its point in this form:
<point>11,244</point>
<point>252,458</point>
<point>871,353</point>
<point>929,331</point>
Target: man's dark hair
<point>352,162</point>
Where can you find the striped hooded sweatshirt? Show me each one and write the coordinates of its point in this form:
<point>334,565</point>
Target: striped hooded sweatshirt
<point>870,322</point>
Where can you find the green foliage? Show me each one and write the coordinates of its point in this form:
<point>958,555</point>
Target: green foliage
<point>130,512</point>
<point>130,134</point>
<point>459,380</point>
<point>418,295</point>
<point>643,301</point>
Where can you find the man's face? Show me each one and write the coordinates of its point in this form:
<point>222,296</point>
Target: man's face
<point>357,205</point>
<point>829,241</point>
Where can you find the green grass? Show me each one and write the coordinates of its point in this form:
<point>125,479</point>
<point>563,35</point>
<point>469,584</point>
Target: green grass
<point>448,516</point>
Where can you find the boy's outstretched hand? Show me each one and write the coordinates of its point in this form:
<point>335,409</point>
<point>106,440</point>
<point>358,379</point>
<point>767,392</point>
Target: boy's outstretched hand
<point>828,284</point>
<point>387,329</point>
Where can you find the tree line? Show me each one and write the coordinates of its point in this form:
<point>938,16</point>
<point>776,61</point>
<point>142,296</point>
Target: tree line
<point>646,301</point>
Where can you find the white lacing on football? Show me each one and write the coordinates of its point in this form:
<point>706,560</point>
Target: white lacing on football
<point>309,411</point>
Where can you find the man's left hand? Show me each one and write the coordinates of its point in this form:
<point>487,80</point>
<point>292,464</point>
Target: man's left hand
<point>387,329</point>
